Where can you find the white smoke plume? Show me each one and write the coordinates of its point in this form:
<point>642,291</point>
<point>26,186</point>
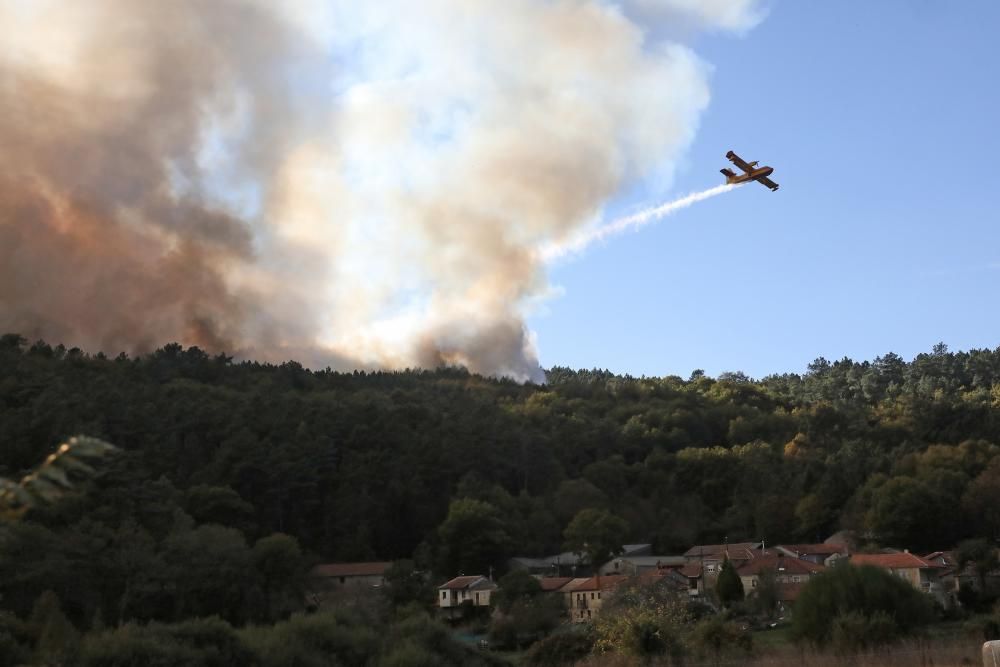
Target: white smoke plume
<point>346,183</point>
<point>632,222</point>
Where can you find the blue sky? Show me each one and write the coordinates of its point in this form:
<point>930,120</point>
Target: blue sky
<point>880,119</point>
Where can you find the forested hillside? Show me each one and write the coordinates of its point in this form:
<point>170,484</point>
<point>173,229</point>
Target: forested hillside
<point>363,466</point>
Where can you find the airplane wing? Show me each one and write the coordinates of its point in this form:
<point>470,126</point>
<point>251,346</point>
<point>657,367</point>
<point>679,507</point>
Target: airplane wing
<point>764,180</point>
<point>738,161</point>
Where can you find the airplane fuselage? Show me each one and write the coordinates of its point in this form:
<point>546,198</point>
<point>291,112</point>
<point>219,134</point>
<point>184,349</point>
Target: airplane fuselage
<point>751,175</point>
<point>751,172</point>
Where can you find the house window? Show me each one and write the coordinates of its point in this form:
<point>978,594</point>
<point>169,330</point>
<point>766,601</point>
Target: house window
<point>477,599</point>
<point>588,613</point>
<point>591,596</point>
<point>598,595</point>
<point>444,595</point>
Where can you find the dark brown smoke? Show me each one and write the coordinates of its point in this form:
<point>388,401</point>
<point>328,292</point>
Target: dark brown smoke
<point>107,237</point>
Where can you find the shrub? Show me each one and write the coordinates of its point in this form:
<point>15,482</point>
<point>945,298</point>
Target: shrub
<point>12,640</point>
<point>133,644</point>
<point>716,636</point>
<point>205,642</point>
<point>215,640</point>
<point>565,648</point>
<point>867,592</point>
<point>854,631</point>
<point>56,640</point>
<point>514,587</point>
<point>314,639</point>
<point>526,620</point>
<point>410,654</point>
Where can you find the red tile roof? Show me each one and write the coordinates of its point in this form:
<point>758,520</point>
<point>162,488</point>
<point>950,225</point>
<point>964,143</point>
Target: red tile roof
<point>898,561</point>
<point>691,570</point>
<point>550,584</point>
<point>573,584</point>
<point>591,583</point>
<point>779,564</point>
<point>351,569</point>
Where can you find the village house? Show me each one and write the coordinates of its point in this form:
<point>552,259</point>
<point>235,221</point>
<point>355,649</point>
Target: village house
<point>790,574</point>
<point>921,574</point>
<point>585,595</point>
<point>465,591</point>
<point>553,584</point>
<point>364,575</point>
<point>638,565</point>
<point>953,576</point>
<point>569,563</point>
<point>711,556</point>
<point>694,574</point>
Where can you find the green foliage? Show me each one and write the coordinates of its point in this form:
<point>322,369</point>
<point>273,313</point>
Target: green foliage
<point>855,631</point>
<point>716,637</point>
<point>366,466</point>
<point>220,505</point>
<point>14,638</point>
<point>204,642</point>
<point>729,586</point>
<point>319,639</point>
<point>982,498</point>
<point>473,537</point>
<point>56,476</point>
<point>419,640</point>
<point>56,640</point>
<point>644,620</point>
<point>515,586</point>
<point>131,645</point>
<point>526,620</point>
<point>405,585</point>
<point>212,570</point>
<point>864,591</point>
<point>327,639</point>
<point>596,534</point>
<point>564,648</point>
<point>280,567</point>
<point>409,654</point>
<point>909,511</point>
<point>764,600</point>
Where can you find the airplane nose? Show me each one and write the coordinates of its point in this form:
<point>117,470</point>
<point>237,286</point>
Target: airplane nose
<point>769,170</point>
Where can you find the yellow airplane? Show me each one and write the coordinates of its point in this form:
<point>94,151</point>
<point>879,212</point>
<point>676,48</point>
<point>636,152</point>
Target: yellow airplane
<point>751,172</point>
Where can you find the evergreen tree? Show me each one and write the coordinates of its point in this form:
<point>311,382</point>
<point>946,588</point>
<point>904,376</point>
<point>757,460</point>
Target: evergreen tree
<point>728,586</point>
